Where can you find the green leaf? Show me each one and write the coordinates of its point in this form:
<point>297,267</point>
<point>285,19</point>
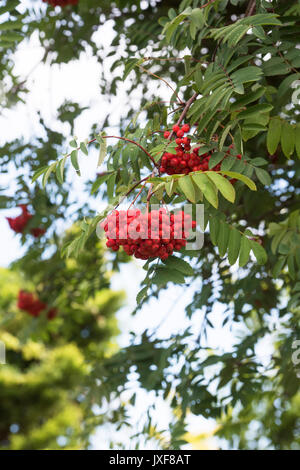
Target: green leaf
<point>163,276</point>
<point>288,137</point>
<point>277,269</point>
<point>259,252</point>
<point>48,173</point>
<point>102,154</point>
<point>170,187</point>
<point>263,176</point>
<point>246,74</point>
<point>38,173</point>
<point>273,136</point>
<point>111,185</point>
<point>224,186</point>
<point>234,245</point>
<point>244,251</point>
<point>214,226</point>
<point>186,185</point>
<point>240,177</point>
<point>258,161</point>
<point>180,265</point>
<point>228,162</point>
<point>291,266</point>
<point>297,140</point>
<point>131,63</point>
<point>197,17</point>
<point>207,187</point>
<point>60,170</point>
<point>224,135</point>
<point>73,144</point>
<point>223,238</point>
<point>101,179</point>
<point>248,98</point>
<point>142,294</point>
<point>11,6</point>
<point>74,161</point>
<point>254,110</point>
<point>11,25</point>
<point>216,158</point>
<point>253,127</point>
<point>83,148</point>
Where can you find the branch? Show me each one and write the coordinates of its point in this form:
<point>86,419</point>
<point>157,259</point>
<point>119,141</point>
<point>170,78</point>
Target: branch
<point>251,8</point>
<point>208,3</point>
<point>184,112</point>
<point>163,80</point>
<point>132,189</point>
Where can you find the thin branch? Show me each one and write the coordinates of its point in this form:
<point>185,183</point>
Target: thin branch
<point>132,142</point>
<point>207,4</point>
<point>165,59</point>
<point>163,80</point>
<point>251,8</point>
<point>132,189</point>
<point>184,112</point>
<point>139,193</point>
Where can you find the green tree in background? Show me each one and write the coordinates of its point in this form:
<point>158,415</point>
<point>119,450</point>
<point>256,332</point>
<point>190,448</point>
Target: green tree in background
<point>229,68</point>
<point>46,380</point>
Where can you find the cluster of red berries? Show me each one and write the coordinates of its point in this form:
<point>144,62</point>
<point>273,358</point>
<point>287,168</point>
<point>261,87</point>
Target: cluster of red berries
<point>185,161</point>
<point>18,224</point>
<point>32,305</point>
<point>61,3</point>
<point>155,234</point>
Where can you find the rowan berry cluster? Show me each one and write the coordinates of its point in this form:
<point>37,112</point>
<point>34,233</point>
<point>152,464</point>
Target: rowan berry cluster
<point>18,224</point>
<point>155,234</point>
<point>34,306</point>
<point>61,3</point>
<point>185,160</point>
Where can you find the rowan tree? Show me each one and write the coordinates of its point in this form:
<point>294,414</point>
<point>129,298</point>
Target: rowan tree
<point>228,70</point>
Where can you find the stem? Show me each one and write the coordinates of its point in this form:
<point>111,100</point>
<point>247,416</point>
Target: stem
<point>184,112</point>
<point>208,3</point>
<point>132,189</point>
<point>138,194</point>
<point>163,80</point>
<point>251,8</point>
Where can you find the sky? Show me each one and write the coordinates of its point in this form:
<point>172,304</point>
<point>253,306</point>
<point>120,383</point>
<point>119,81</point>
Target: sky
<point>79,81</point>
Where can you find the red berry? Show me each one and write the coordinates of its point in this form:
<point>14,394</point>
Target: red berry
<point>61,3</point>
<point>166,134</point>
<point>176,128</point>
<point>32,305</point>
<point>159,225</point>
<point>185,128</point>
<point>18,224</point>
<point>180,133</point>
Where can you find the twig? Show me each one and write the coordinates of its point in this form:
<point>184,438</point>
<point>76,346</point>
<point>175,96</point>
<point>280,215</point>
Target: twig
<point>163,80</point>
<point>207,4</point>
<point>165,59</point>
<point>250,8</point>
<point>138,194</point>
<point>132,189</point>
<point>184,112</point>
